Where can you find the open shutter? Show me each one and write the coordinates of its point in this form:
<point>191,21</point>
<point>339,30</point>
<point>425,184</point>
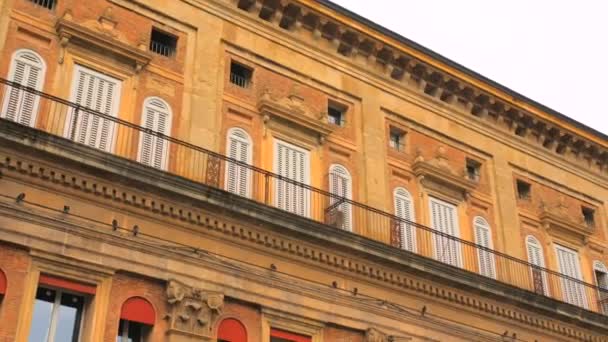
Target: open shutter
<point>535,257</point>
<point>340,185</point>
<point>445,220</point>
<point>572,291</point>
<point>238,177</point>
<point>404,209</point>
<point>153,150</point>
<point>27,69</point>
<point>291,162</point>
<point>483,238</point>
<point>601,278</point>
<point>98,93</point>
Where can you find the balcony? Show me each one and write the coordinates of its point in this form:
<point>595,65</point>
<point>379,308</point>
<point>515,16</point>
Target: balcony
<point>64,119</point>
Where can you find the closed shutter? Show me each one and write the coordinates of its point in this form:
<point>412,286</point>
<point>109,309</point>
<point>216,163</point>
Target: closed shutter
<point>99,93</point>
<point>157,118</point>
<point>340,185</point>
<point>572,291</point>
<point>291,162</point>
<point>404,209</point>
<point>483,238</point>
<point>238,177</point>
<point>27,69</point>
<point>444,219</point>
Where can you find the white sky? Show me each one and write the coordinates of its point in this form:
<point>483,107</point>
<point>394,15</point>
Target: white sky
<point>552,51</point>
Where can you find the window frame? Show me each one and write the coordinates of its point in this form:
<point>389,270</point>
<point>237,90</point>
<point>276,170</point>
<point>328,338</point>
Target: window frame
<point>401,193</point>
<point>481,223</point>
<point>398,146</point>
<point>341,171</point>
<point>566,283</point>
<point>233,133</point>
<point>171,48</point>
<point>240,81</point>
<point>531,240</point>
<point>600,267</point>
<point>305,175</point>
<point>169,124</point>
<point>52,326</point>
<point>455,221</point>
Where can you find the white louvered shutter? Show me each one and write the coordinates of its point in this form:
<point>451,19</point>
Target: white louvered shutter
<point>153,149</point>
<point>99,93</point>
<point>238,177</point>
<point>535,257</point>
<point>21,105</point>
<point>291,162</point>
<point>444,219</point>
<point>404,209</point>
<point>340,185</point>
<point>483,238</point>
<point>572,291</point>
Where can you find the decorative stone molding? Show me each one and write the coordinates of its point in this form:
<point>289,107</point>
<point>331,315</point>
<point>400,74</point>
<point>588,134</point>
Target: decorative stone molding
<point>437,175</point>
<point>193,311</point>
<point>392,61</point>
<point>102,35</point>
<point>558,222</point>
<point>291,112</point>
<point>375,335</point>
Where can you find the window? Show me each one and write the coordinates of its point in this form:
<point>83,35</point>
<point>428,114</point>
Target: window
<point>97,93</point>
<point>396,139</point>
<point>537,265</point>
<point>601,280</point>
<point>336,114</point>
<point>277,335</point>
<point>404,209</point>
<point>48,4</point>
<point>156,116</point>
<point>444,218</point>
<point>137,316</point>
<point>292,164</point>
<point>340,184</point>
<point>588,216</point>
<point>59,309</point>
<point>240,75</point>
<point>27,69</point>
<point>3,284</point>
<point>163,43</point>
<point>238,177</point>
<point>231,330</point>
<point>572,291</point>
<point>523,190</point>
<point>473,170</point>
<point>483,237</point>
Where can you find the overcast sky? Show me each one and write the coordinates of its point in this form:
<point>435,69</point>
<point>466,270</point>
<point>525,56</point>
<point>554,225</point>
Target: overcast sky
<point>552,51</point>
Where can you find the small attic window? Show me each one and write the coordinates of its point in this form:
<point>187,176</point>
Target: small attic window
<point>524,190</point>
<point>163,43</point>
<point>396,139</point>
<point>336,114</point>
<point>48,4</point>
<point>588,216</point>
<point>240,75</point>
<point>473,170</point>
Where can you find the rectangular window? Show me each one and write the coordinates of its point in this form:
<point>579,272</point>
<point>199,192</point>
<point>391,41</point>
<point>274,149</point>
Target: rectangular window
<point>572,290</point>
<point>240,75</point>
<point>336,114</point>
<point>473,168</point>
<point>96,93</point>
<point>444,218</point>
<point>601,279</point>
<point>58,316</point>
<point>292,164</point>
<point>588,216</point>
<point>524,190</point>
<point>129,331</point>
<point>48,4</point>
<point>396,139</point>
<point>163,43</point>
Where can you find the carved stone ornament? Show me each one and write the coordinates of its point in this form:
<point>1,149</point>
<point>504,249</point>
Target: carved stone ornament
<point>193,311</point>
<point>558,222</point>
<point>375,335</point>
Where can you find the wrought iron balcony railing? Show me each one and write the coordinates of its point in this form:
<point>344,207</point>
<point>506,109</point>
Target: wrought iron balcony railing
<point>128,140</point>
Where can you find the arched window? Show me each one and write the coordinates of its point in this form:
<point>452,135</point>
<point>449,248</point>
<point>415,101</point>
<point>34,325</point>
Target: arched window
<point>340,184</point>
<point>231,330</point>
<point>404,209</point>
<point>156,116</point>
<point>27,69</point>
<point>601,280</point>
<point>137,316</point>
<point>537,261</point>
<point>483,237</point>
<point>238,177</point>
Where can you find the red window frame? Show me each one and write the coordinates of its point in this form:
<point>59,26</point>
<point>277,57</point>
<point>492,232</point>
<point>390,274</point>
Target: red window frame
<point>292,337</point>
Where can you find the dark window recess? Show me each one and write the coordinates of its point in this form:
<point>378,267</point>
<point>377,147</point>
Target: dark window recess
<point>396,139</point>
<point>48,4</point>
<point>240,75</point>
<point>473,170</point>
<point>162,43</point>
<point>524,190</point>
<point>589,216</point>
<point>336,114</point>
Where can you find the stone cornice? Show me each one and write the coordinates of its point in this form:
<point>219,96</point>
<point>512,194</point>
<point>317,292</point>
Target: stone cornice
<point>399,63</point>
<point>382,265</point>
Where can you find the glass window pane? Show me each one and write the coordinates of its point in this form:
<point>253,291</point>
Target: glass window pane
<point>41,319</point>
<point>68,321</point>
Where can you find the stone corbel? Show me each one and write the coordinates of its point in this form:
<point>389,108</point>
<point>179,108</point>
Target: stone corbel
<point>375,335</point>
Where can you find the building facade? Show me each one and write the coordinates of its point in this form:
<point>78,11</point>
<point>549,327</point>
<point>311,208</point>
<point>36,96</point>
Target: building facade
<point>282,170</point>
